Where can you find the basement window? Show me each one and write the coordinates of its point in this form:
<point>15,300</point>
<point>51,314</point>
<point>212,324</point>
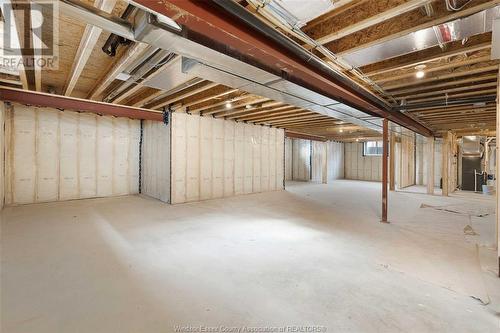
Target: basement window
<point>372,148</point>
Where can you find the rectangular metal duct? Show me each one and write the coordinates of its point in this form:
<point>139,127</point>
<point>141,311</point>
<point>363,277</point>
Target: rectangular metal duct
<point>217,67</point>
<point>471,146</point>
<point>280,90</point>
<point>170,77</point>
<point>450,31</point>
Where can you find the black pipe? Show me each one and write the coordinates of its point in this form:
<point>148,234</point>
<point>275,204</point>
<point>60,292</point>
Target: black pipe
<point>485,99</point>
<point>114,40</point>
<point>242,14</point>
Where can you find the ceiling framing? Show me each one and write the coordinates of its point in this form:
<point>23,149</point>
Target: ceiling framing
<point>454,71</point>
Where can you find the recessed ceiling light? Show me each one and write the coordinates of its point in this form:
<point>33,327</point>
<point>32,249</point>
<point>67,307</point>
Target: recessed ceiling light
<point>420,71</point>
<point>341,130</point>
<point>229,105</point>
<point>357,140</point>
<point>248,106</point>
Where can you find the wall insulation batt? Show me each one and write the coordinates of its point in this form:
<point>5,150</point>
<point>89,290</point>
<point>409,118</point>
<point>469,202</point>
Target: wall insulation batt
<point>360,167</point>
<point>62,155</point>
<point>215,158</point>
<point>305,160</point>
<point>288,159</point>
<point>335,160</point>
<point>301,159</point>
<point>2,154</point>
<point>155,160</point>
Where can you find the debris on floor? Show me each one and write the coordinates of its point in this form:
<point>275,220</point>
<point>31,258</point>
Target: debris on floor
<point>469,231</point>
<point>459,209</point>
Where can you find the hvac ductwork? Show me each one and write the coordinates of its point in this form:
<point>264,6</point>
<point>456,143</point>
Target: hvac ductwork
<point>444,33</point>
<point>219,67</point>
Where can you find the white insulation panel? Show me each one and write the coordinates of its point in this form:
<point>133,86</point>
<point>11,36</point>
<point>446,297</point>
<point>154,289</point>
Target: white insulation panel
<point>301,159</point>
<point>335,160</point>
<point>156,160</point>
<point>193,165</point>
<point>280,159</point>
<point>360,167</point>
<point>239,158</point>
<point>104,149</point>
<point>222,158</point>
<point>288,159</point>
<point>47,155</point>
<point>305,160</point>
<point>2,152</point>
<point>317,158</point>
<point>62,155</point>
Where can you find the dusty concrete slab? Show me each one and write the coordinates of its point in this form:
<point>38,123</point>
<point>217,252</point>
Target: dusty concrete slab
<point>311,255</point>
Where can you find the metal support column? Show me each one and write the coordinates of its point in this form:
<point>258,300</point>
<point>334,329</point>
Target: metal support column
<point>385,169</point>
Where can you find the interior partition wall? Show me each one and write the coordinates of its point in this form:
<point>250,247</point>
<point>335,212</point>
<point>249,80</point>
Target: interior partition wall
<point>155,160</point>
<point>55,155</point>
<point>359,166</point>
<point>305,160</point>
<point>215,158</point>
<point>301,159</point>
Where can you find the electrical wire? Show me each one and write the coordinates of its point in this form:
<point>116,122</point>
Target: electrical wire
<point>339,65</point>
<point>450,7</point>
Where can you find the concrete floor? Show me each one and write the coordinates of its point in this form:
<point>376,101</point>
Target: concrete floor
<point>314,255</point>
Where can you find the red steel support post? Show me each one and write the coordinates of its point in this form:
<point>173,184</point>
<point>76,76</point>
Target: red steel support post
<point>385,169</point>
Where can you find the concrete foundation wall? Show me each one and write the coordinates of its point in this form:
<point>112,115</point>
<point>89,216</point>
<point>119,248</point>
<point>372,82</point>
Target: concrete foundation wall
<point>359,167</point>
<point>62,155</point>
<point>155,160</point>
<point>214,158</point>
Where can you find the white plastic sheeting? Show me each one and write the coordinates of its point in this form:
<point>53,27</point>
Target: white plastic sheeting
<point>155,164</point>
<point>58,155</point>
<point>214,158</point>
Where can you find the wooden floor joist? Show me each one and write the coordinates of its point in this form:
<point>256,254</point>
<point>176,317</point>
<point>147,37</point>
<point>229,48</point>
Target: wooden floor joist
<point>456,71</point>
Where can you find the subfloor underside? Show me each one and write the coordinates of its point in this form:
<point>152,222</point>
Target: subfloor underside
<point>314,255</point>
